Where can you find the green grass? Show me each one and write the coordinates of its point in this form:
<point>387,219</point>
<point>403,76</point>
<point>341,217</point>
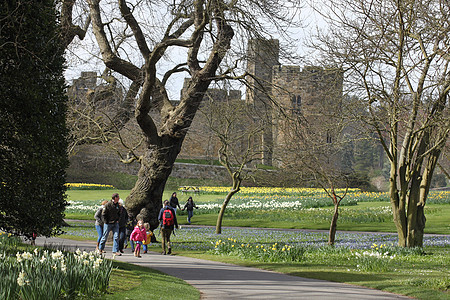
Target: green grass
<point>351,218</point>
<point>362,217</point>
<point>83,195</point>
<point>414,275</point>
<point>421,277</point>
<point>135,282</point>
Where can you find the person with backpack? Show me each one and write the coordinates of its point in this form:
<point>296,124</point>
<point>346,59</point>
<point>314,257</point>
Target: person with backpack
<point>168,220</point>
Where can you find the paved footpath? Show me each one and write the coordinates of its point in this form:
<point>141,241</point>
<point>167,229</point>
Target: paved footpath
<point>217,280</point>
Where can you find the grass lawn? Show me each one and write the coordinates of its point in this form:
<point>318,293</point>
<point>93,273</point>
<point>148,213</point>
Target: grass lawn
<point>351,218</point>
<point>422,277</point>
<point>365,216</point>
<point>135,282</point>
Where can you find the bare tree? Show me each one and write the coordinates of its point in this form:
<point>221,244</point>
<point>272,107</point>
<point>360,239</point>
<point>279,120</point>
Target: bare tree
<point>237,129</point>
<point>163,39</point>
<point>395,55</point>
<point>311,152</point>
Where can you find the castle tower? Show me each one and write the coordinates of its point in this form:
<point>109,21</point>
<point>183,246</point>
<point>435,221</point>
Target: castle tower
<point>80,86</point>
<point>314,93</point>
<point>262,56</point>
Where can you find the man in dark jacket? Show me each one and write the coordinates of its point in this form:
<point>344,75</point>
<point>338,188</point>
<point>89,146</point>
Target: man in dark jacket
<point>111,215</point>
<point>123,220</point>
<point>168,220</point>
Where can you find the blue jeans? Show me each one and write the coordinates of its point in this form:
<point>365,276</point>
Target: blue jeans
<point>190,214</point>
<point>106,229</point>
<point>99,232</point>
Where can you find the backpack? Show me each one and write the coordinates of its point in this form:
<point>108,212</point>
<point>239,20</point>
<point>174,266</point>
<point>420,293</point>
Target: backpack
<point>167,217</point>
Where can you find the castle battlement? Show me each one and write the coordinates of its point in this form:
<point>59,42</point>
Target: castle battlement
<point>285,70</point>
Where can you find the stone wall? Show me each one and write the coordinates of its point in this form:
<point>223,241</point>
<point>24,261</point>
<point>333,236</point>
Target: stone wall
<point>111,163</point>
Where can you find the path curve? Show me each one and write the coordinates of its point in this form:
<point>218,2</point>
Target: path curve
<point>217,280</point>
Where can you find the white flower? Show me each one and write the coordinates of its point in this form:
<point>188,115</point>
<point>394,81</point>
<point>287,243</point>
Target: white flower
<point>21,279</point>
<point>27,256</point>
<point>63,268</point>
<point>97,263</point>
<point>43,259</point>
<point>36,251</point>
<point>57,255</point>
<point>19,257</point>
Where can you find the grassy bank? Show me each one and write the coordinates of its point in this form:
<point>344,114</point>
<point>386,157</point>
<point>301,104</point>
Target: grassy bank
<point>422,273</point>
<point>136,283</point>
<point>369,213</point>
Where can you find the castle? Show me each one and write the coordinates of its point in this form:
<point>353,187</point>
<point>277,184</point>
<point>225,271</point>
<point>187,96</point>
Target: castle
<point>313,92</point>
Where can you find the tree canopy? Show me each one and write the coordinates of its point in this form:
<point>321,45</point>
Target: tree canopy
<point>146,44</point>
<point>395,57</point>
<point>32,125</point>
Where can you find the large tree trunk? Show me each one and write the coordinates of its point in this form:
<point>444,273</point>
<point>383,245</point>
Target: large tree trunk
<point>145,199</point>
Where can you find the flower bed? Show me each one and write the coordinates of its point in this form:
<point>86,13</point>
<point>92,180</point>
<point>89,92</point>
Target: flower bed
<point>50,274</point>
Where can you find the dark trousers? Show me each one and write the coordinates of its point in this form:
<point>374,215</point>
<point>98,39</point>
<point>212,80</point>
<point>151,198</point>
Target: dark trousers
<point>165,235</point>
<point>122,237</point>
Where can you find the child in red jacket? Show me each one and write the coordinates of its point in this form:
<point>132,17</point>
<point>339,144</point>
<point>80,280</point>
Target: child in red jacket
<point>138,236</point>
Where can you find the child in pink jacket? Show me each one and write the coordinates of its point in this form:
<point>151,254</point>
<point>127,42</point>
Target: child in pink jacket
<point>138,236</point>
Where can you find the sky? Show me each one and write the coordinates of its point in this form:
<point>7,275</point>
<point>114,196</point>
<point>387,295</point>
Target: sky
<point>83,55</point>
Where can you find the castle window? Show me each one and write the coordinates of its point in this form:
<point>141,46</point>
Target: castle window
<point>296,103</point>
<point>329,139</point>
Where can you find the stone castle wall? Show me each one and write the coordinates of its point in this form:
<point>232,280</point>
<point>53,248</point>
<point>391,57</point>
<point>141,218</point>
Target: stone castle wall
<point>87,160</point>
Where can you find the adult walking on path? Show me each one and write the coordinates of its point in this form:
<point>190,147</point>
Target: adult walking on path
<point>168,219</point>
<point>111,215</point>
<point>217,280</point>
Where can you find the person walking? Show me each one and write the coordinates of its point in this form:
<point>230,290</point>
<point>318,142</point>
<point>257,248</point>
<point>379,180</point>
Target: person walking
<point>138,236</point>
<point>111,215</point>
<point>189,206</point>
<point>99,222</point>
<point>132,222</point>
<point>173,202</point>
<point>123,220</point>
<point>168,219</point>
<point>149,235</point>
